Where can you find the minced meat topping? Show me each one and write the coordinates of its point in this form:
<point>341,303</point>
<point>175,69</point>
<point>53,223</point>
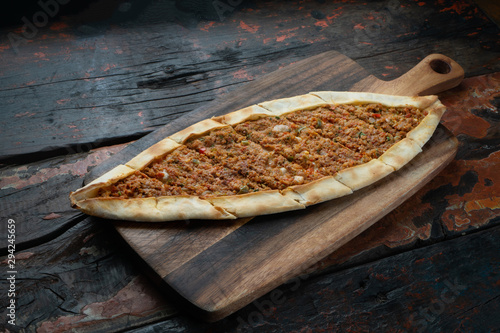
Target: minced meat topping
<point>272,153</point>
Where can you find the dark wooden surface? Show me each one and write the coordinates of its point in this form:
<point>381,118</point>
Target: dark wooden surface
<point>221,267</point>
<point>101,75</point>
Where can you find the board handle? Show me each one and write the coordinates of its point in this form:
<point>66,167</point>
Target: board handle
<point>434,74</point>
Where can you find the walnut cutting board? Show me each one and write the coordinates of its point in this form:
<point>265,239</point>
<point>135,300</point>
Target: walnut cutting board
<point>220,266</point>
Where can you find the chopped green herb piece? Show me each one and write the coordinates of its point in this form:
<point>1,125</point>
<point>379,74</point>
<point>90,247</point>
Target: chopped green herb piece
<point>244,189</point>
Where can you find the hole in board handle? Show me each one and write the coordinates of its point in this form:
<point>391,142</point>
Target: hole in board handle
<point>440,66</point>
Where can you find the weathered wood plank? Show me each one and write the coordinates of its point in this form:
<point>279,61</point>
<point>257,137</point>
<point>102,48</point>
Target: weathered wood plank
<point>84,280</point>
<point>36,195</point>
<point>429,217</point>
<point>439,288</point>
<point>81,280</point>
<point>245,262</point>
<point>470,115</point>
<point>462,198</point>
<point>65,89</point>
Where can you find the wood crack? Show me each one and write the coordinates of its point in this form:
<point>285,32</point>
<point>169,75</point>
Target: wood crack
<point>69,80</point>
<point>463,313</point>
<point>173,81</point>
<point>36,241</point>
<point>392,253</point>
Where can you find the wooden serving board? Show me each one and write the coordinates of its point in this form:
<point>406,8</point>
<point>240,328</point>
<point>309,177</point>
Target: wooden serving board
<point>220,266</point>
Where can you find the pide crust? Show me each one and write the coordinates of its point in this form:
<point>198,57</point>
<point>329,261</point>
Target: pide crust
<point>363,175</point>
<point>194,130</point>
<point>157,150</point>
<point>287,105</point>
<point>91,189</point>
<point>153,209</point>
<point>337,97</point>
<point>249,113</point>
<point>399,154</point>
<point>344,182</point>
<point>317,191</point>
<point>423,132</point>
<point>257,203</point>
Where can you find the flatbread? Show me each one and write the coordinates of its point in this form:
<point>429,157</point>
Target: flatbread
<point>157,150</point>
<point>317,191</point>
<point>258,203</point>
<point>299,196</point>
<point>153,209</point>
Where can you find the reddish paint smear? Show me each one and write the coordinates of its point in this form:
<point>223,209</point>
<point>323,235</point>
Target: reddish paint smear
<point>287,33</point>
<point>4,47</point>
<point>457,7</point>
<point>359,26</point>
<point>491,203</point>
<point>250,28</point>
<point>62,101</point>
<point>206,27</point>
<point>19,256</point>
<point>137,299</point>
<point>58,26</point>
<point>51,216</point>
<point>335,15</point>
<point>421,4</point>
<point>25,114</point>
<point>281,38</point>
<point>242,74</point>
<point>480,205</point>
<point>107,67</point>
<point>473,93</point>
<point>89,237</point>
<point>322,24</point>
<point>79,168</point>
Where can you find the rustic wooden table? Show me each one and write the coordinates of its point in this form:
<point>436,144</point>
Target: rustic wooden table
<point>79,82</point>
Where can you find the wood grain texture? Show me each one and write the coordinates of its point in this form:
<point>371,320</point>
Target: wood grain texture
<point>246,260</point>
<point>426,219</point>
<point>36,195</point>
<point>435,74</point>
<point>142,60</point>
<point>343,73</point>
<point>79,85</point>
<point>428,289</point>
<point>53,292</point>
